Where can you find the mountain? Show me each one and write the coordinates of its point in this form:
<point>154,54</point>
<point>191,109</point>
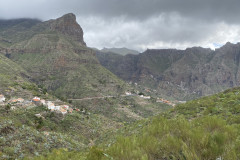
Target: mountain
<point>180,74</point>
<point>55,56</point>
<point>120,51</point>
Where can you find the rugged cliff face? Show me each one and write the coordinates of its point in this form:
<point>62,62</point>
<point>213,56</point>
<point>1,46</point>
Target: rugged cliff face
<point>181,74</point>
<point>68,26</point>
<point>55,55</point>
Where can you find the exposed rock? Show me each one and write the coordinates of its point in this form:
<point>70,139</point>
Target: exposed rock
<point>68,25</point>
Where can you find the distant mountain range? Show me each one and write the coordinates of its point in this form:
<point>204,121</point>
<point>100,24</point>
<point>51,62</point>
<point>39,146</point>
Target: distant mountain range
<point>181,74</point>
<point>121,51</point>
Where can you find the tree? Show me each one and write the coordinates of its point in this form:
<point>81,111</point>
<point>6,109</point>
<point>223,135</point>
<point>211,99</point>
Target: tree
<point>8,107</point>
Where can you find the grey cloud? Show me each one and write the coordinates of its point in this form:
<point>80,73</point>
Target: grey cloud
<point>165,30</point>
<point>220,10</point>
<point>213,10</point>
<point>140,24</point>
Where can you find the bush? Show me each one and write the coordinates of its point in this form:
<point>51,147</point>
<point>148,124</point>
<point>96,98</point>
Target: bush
<point>204,138</point>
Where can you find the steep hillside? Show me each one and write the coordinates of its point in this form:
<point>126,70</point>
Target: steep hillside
<point>180,74</point>
<point>55,56</point>
<point>14,80</point>
<point>123,66</point>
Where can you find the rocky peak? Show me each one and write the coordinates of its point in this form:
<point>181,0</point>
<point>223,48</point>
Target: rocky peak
<point>227,45</point>
<point>68,26</point>
<point>198,50</point>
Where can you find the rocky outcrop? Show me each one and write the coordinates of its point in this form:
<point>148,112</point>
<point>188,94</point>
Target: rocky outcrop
<point>68,26</point>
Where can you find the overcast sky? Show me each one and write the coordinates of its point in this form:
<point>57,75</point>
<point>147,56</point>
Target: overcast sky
<point>140,24</point>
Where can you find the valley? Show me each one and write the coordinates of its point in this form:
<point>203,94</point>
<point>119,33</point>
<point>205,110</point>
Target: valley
<point>60,99</point>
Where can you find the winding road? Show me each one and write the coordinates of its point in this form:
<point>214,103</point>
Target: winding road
<point>90,98</point>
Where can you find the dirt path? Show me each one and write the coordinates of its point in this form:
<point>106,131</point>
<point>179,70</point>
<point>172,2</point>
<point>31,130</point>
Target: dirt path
<point>90,98</point>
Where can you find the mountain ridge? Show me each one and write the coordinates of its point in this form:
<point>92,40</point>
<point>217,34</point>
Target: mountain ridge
<point>122,51</point>
<point>181,74</point>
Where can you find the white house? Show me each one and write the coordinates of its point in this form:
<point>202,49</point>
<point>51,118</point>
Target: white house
<point>38,115</point>
<point>43,102</point>
<point>50,105</point>
<point>128,93</point>
<point>2,98</point>
<point>57,108</point>
<point>146,97</point>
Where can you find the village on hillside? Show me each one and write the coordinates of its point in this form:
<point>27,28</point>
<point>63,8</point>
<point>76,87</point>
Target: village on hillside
<point>15,103</point>
<point>148,91</point>
<point>158,100</point>
<point>59,106</point>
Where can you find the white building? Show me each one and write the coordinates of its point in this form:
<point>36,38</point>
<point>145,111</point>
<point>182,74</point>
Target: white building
<point>50,105</point>
<point>128,93</point>
<point>43,102</point>
<point>2,98</point>
<point>145,97</point>
<point>57,108</point>
<point>38,115</point>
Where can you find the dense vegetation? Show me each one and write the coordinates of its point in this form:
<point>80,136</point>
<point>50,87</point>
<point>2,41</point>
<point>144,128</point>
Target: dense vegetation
<point>207,128</point>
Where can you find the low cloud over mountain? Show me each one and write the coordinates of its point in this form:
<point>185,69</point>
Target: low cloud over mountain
<point>141,24</point>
